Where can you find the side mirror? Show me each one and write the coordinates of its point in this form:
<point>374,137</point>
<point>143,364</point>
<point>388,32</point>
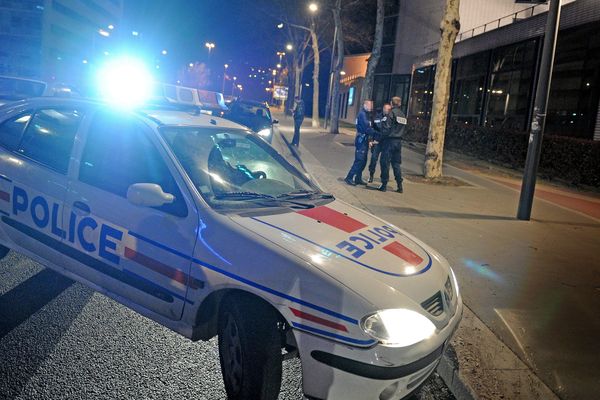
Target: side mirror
<point>148,195</point>
<point>275,121</point>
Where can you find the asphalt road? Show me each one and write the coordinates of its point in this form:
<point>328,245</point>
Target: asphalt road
<point>61,340</point>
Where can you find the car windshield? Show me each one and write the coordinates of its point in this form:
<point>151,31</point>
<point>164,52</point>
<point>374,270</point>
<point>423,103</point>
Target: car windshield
<point>233,168</point>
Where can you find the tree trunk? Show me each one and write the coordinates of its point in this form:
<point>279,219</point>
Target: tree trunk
<point>450,27</point>
<point>335,102</point>
<point>317,62</point>
<point>367,89</point>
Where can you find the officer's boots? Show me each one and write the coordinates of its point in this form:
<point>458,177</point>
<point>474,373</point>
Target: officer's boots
<point>400,188</point>
<point>370,178</point>
<point>383,187</point>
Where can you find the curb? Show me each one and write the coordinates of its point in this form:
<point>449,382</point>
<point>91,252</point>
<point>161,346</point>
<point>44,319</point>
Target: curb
<point>448,370</point>
<point>448,367</point>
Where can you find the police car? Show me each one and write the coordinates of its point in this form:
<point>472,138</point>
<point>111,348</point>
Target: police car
<point>198,224</point>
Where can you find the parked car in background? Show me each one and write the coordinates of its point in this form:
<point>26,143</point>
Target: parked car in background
<point>255,115</point>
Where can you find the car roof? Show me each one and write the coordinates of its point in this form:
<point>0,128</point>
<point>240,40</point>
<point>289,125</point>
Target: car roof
<point>160,116</point>
<point>186,118</point>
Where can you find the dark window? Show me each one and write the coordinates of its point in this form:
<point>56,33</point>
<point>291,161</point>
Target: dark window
<point>118,154</point>
<point>12,130</point>
<point>400,87</point>
<point>389,30</point>
<point>391,7</point>
<point>469,87</point>
<point>575,88</point>
<point>49,137</point>
<point>386,62</point>
<point>381,90</point>
<point>510,85</point>
<point>422,92</point>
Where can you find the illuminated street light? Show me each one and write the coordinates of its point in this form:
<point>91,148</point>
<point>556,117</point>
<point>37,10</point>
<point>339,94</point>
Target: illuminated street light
<point>279,66</point>
<point>226,66</point>
<point>280,26</point>
<point>313,7</point>
<point>164,52</point>
<point>135,33</point>
<point>289,47</point>
<point>84,61</point>
<point>342,73</point>
<point>274,72</point>
<point>104,33</point>
<point>191,65</point>
<point>111,27</point>
<point>209,46</point>
<point>235,78</point>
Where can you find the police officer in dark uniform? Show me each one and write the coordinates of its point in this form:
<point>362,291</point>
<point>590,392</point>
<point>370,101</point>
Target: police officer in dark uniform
<point>375,143</point>
<point>364,131</point>
<point>392,146</point>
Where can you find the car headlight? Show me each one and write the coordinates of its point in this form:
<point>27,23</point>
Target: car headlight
<point>397,327</point>
<point>265,132</point>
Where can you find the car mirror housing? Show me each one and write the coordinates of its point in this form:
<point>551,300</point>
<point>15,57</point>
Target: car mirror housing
<point>148,195</point>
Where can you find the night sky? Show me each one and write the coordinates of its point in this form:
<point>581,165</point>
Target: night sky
<point>244,31</point>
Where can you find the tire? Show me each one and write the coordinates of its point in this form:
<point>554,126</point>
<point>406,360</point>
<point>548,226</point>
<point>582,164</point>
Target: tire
<point>3,251</point>
<point>250,349</point>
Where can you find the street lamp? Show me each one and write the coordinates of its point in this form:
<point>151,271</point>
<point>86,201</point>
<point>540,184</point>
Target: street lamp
<point>289,47</point>
<point>280,25</point>
<point>164,52</point>
<point>104,33</point>
<point>279,66</point>
<point>280,54</point>
<point>313,7</point>
<point>209,46</point>
<point>111,27</point>
<point>135,33</point>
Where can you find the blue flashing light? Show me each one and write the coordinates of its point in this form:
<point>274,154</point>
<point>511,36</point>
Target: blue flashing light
<point>125,82</point>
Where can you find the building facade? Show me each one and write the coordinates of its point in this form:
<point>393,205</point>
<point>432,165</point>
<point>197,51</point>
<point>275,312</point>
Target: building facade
<point>55,39</point>
<point>496,62</point>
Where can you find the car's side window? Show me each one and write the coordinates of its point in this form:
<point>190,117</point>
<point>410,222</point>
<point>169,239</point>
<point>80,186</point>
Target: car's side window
<point>118,154</point>
<point>49,137</point>
<point>12,130</point>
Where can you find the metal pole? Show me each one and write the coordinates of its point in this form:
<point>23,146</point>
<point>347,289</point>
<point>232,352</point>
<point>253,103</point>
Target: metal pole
<point>539,112</point>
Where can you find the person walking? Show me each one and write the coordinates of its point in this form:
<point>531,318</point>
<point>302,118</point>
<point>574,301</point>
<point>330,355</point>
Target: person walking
<point>364,131</point>
<point>392,146</point>
<point>375,143</point>
<point>298,112</point>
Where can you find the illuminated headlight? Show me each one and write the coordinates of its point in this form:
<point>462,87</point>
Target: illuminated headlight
<point>265,132</point>
<point>397,327</point>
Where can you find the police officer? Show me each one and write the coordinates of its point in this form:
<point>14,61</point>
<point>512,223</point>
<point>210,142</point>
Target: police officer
<point>364,131</point>
<point>392,146</point>
<point>375,143</point>
<point>298,113</point>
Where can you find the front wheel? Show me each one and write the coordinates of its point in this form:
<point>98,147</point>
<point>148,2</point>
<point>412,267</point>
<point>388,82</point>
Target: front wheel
<point>3,251</point>
<point>250,350</point>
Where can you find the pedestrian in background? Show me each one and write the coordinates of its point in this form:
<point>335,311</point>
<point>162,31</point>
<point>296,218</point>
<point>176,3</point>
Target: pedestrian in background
<point>298,112</point>
<point>392,146</point>
<point>375,143</point>
<point>364,131</point>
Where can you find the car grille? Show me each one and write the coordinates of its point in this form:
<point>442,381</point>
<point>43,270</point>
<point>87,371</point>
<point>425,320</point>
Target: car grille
<point>434,305</point>
<point>449,291</point>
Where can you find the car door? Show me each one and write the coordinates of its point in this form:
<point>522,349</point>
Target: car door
<point>36,153</point>
<point>142,254</point>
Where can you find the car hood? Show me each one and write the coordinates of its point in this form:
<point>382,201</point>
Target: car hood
<point>377,260</point>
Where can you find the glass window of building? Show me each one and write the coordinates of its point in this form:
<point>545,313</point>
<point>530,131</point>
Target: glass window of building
<point>386,61</point>
<point>575,88</point>
<point>511,83</point>
<point>469,87</point>
<point>400,87</point>
<point>381,87</point>
<point>422,92</point>
<point>389,30</point>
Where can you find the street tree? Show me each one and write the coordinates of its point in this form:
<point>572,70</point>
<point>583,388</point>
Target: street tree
<point>339,64</point>
<point>367,90</point>
<point>450,26</point>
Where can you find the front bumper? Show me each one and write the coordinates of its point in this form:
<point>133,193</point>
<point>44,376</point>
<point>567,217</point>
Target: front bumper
<point>331,370</point>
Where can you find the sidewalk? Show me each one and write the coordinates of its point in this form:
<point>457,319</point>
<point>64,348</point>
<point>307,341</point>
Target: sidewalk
<point>532,289</point>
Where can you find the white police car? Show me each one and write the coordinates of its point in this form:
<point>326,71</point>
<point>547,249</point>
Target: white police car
<point>200,225</point>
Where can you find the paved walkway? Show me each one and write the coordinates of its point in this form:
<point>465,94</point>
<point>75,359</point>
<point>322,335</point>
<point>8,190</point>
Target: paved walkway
<point>533,285</point>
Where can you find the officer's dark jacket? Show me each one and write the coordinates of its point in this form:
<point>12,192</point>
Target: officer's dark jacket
<point>363,127</point>
<point>395,125</point>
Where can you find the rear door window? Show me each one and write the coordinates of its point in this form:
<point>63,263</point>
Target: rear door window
<point>12,130</point>
<point>49,137</point>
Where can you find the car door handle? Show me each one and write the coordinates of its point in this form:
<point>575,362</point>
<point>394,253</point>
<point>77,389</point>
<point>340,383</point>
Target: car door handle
<point>81,206</point>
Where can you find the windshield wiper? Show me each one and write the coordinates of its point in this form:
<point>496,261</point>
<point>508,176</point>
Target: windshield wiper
<point>300,194</point>
<point>259,197</point>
